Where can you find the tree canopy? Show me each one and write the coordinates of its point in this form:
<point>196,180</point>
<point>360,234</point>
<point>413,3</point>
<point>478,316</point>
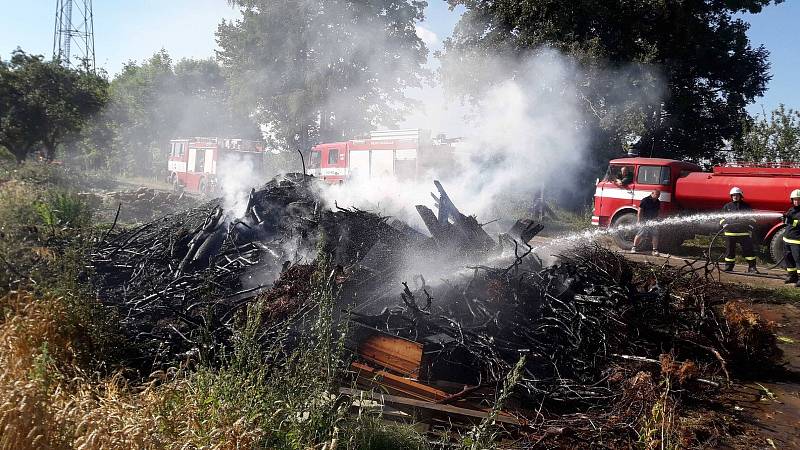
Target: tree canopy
<point>698,50</point>
<point>158,100</point>
<point>42,103</point>
<point>324,69</point>
<point>770,139</point>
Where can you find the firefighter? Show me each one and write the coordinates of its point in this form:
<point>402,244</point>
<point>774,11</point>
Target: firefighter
<point>738,230</point>
<point>791,238</point>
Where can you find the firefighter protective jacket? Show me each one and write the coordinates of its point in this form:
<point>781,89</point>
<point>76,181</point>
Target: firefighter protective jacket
<point>737,226</point>
<point>792,220</point>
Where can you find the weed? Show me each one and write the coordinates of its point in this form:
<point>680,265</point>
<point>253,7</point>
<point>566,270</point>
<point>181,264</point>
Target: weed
<point>485,434</point>
<point>278,397</point>
<point>658,429</point>
<point>62,210</point>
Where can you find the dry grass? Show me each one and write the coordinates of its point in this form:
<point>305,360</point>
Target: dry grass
<point>55,388</point>
<point>48,402</point>
<point>752,340</point>
<point>680,371</point>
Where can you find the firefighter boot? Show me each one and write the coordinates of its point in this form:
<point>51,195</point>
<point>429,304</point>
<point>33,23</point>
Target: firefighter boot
<point>751,267</point>
<point>728,267</point>
<point>791,278</point>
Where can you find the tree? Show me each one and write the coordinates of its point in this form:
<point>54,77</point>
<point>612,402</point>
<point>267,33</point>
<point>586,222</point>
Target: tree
<point>206,96</point>
<point>42,103</point>
<point>323,69</point>
<point>698,49</point>
<point>158,100</point>
<point>773,139</point>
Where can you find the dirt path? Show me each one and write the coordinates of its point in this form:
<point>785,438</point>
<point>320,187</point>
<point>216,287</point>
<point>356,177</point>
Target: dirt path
<point>775,405</point>
<point>137,182</point>
<point>767,278</point>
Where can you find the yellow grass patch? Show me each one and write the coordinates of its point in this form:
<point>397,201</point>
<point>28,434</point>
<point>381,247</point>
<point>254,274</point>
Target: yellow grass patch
<point>48,402</point>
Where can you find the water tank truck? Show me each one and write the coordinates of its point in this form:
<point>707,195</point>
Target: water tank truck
<point>686,189</point>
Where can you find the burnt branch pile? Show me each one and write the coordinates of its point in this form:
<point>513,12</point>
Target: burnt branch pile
<point>178,282</point>
<point>575,323</point>
<point>594,330</point>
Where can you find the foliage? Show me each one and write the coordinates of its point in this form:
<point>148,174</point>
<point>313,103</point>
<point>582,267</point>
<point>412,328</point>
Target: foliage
<point>21,251</point>
<point>42,103</point>
<point>323,70</point>
<point>153,102</point>
<point>63,209</point>
<point>776,139</point>
<point>698,51</point>
<point>45,227</point>
<point>35,195</point>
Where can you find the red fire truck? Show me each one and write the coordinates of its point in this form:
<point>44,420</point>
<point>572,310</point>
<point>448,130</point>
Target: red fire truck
<point>404,154</point>
<point>195,164</point>
<point>686,189</point>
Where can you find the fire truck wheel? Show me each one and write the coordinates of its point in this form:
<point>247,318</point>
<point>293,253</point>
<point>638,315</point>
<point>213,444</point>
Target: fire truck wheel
<point>776,245</point>
<point>624,239</point>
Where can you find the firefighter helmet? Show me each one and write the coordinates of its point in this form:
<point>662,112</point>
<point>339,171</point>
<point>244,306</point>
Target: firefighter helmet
<point>795,194</point>
<point>736,190</point>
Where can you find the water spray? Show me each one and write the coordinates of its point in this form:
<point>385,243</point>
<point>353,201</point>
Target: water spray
<point>669,221</point>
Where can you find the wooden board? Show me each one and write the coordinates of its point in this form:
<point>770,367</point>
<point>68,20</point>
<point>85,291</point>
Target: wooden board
<point>372,377</point>
<point>448,409</point>
<point>400,355</point>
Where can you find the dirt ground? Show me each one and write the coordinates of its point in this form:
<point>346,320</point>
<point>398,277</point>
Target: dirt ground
<point>774,404</point>
<point>769,406</point>
<point>767,278</point>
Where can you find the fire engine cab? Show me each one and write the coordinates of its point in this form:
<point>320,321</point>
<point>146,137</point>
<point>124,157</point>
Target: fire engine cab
<point>196,164</point>
<point>403,154</point>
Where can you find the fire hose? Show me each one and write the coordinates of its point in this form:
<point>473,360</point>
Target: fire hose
<point>716,262</point>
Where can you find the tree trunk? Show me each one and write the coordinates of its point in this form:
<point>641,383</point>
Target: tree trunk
<point>49,150</point>
<point>19,154</point>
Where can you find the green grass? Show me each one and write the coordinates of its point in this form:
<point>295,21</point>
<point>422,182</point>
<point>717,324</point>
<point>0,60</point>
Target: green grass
<point>290,399</point>
<point>780,295</point>
<point>698,246</point>
<point>787,294</point>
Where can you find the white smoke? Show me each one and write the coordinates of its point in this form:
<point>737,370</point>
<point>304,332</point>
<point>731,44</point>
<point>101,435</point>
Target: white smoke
<point>237,174</point>
<point>429,37</point>
<point>524,134</point>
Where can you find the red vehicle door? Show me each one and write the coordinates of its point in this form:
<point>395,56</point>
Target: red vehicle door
<point>650,177</point>
<point>332,161</point>
<point>614,192</point>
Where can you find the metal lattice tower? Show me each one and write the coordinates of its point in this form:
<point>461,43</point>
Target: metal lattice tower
<point>73,36</point>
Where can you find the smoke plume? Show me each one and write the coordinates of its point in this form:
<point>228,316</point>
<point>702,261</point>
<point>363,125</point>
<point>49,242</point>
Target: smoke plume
<point>521,135</point>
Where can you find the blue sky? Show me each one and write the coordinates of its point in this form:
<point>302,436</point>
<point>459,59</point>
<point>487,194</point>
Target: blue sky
<point>135,29</point>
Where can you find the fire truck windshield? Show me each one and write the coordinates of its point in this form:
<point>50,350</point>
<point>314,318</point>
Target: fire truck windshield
<point>615,172</point>
<point>316,158</point>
